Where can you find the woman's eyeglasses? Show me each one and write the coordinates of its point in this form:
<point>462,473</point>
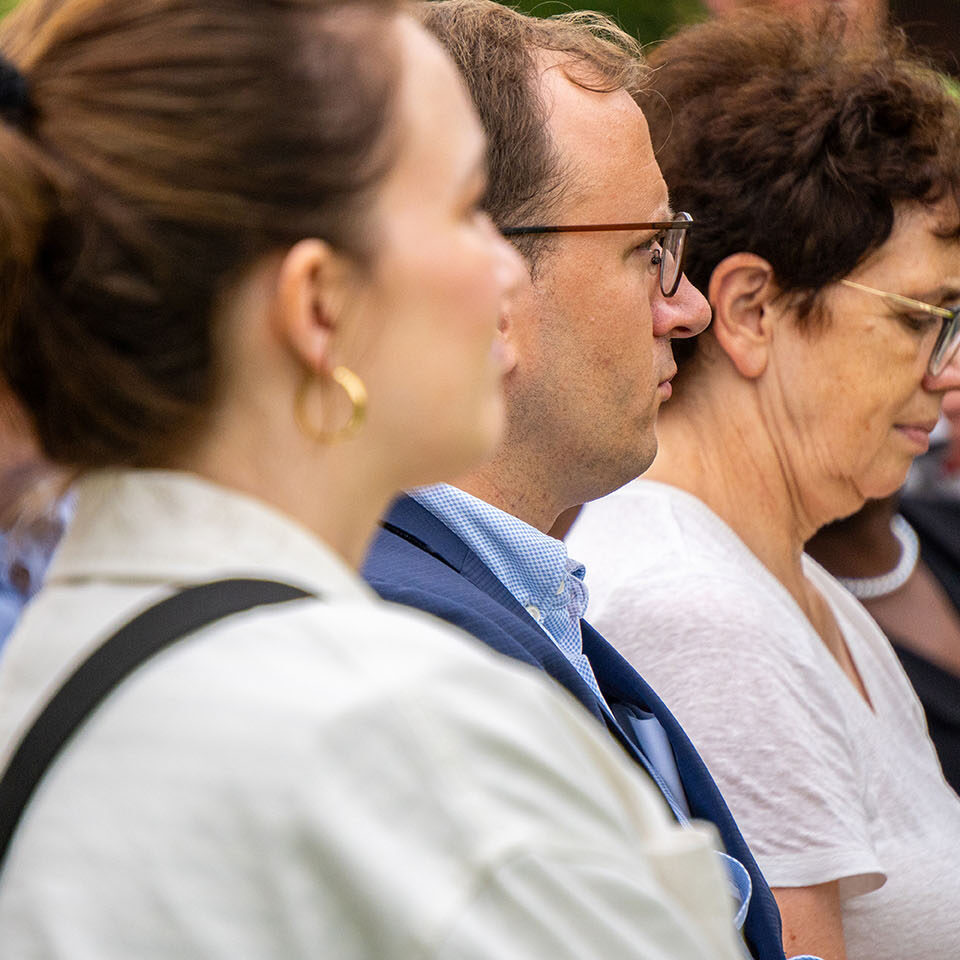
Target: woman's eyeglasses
<point>947,340</point>
<point>672,243</point>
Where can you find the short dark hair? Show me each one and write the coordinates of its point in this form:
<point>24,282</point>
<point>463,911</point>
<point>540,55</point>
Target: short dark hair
<point>797,144</point>
<point>169,145</point>
<point>496,49</point>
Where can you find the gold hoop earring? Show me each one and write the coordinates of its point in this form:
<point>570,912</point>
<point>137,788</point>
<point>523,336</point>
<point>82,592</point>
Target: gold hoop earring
<point>356,392</point>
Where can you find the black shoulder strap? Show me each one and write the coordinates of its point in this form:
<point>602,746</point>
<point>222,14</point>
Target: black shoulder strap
<point>151,631</point>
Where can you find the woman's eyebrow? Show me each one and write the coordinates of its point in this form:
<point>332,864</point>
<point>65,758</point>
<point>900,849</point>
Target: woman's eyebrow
<point>943,293</point>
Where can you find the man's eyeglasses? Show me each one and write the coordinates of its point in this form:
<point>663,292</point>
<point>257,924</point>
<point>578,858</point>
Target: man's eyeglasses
<point>947,340</point>
<point>671,243</point>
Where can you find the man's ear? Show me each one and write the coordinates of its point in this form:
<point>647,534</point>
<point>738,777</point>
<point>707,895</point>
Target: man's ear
<point>313,286</point>
<point>742,291</point>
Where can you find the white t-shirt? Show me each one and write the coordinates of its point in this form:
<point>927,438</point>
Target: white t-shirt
<point>327,778</point>
<point>822,787</point>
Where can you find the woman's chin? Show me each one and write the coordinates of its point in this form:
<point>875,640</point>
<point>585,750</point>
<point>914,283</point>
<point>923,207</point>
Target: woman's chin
<point>487,430</point>
<point>881,487</point>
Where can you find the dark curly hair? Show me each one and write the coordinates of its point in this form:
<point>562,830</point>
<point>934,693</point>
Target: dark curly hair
<point>797,144</point>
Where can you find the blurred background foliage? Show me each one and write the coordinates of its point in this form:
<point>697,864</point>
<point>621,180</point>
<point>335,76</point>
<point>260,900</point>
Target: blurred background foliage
<point>6,5</point>
<point>650,20</point>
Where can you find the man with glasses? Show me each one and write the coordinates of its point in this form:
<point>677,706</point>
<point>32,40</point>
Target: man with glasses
<point>588,358</point>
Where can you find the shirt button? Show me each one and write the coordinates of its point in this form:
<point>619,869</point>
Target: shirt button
<point>560,588</point>
<point>534,611</point>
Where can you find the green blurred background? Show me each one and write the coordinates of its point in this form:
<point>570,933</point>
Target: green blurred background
<point>647,19</point>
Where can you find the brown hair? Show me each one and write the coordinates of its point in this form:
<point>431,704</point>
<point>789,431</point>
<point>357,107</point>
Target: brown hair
<point>168,145</point>
<point>496,49</point>
<point>797,144</point>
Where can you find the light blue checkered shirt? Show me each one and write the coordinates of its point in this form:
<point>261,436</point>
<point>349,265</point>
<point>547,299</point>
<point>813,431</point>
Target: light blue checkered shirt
<point>533,566</point>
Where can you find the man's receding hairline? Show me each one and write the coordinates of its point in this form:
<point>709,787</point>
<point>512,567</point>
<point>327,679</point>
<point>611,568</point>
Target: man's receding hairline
<point>579,70</point>
<point>572,187</point>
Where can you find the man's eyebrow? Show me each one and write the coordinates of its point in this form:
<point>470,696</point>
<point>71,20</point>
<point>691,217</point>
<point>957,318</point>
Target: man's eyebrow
<point>664,212</point>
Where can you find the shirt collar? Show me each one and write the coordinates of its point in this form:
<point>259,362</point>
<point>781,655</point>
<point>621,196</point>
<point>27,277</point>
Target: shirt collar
<point>155,526</point>
<point>532,565</point>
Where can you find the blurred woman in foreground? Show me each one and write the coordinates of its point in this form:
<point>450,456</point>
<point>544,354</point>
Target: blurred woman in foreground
<point>824,176</point>
<point>246,290</point>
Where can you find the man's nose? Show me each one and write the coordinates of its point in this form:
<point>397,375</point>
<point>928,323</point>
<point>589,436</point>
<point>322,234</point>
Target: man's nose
<point>685,314</point>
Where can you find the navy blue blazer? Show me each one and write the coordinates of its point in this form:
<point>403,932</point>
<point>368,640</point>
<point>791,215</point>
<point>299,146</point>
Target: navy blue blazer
<point>418,561</point>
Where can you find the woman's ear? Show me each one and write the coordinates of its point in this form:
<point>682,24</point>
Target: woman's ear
<point>742,291</point>
<point>313,285</point>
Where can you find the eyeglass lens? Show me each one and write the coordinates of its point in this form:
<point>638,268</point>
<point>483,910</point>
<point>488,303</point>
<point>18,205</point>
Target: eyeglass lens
<point>946,345</point>
<point>671,261</point>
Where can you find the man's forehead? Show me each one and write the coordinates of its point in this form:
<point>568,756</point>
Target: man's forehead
<point>602,141</point>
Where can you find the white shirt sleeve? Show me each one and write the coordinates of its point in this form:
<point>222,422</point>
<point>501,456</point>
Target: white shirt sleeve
<point>576,904</point>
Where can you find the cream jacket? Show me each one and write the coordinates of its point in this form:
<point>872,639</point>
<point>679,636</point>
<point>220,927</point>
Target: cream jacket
<point>329,778</point>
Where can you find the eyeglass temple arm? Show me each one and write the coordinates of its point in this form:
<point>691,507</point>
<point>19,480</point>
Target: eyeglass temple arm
<point>595,227</point>
<point>941,312</point>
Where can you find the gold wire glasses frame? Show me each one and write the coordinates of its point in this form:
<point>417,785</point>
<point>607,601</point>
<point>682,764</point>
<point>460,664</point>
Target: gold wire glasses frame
<point>947,340</point>
<point>672,246</point>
